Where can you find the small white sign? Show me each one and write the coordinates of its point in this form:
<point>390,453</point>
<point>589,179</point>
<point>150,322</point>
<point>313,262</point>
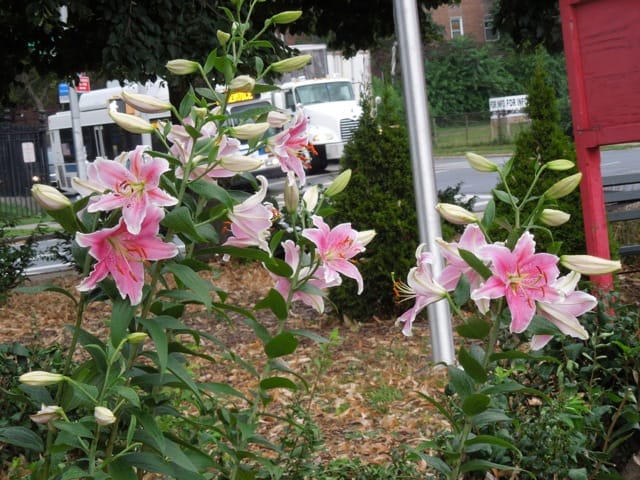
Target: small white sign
<point>28,152</point>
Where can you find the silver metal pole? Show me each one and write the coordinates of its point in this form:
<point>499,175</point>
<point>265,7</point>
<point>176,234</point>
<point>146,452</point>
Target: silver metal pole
<point>415,95</point>
<point>76,129</point>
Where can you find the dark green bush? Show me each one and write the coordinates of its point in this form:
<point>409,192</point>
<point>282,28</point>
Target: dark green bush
<point>380,196</point>
<point>543,142</point>
<point>15,256</point>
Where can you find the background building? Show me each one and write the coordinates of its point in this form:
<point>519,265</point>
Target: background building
<point>469,18</point>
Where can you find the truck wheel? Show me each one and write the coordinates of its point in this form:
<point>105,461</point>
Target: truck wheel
<point>319,159</point>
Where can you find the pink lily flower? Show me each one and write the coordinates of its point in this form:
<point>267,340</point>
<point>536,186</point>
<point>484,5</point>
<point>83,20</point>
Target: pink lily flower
<point>134,189</point>
<point>522,277</point>
<point>288,145</point>
<point>183,144</point>
<point>563,313</point>
<point>251,220</point>
<point>472,239</point>
<point>336,247</point>
<point>420,285</point>
<point>121,254</point>
<point>283,285</point>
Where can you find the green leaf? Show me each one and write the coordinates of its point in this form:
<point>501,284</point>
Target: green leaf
<point>475,263</point>
<point>73,472</point>
<point>489,417</point>
<point>121,470</point>
<point>222,389</point>
<point>74,428</point>
<point>200,287</point>
<point>475,404</point>
<point>474,327</point>
<point>437,463</point>
<point>159,337</point>
<point>281,345</point>
<point>311,336</point>
<point>248,253</point>
<point>489,214</point>
<point>471,366</point>
<point>492,441</point>
<point>462,292</point>
<point>121,315</point>
<point>212,191</point>
<point>276,303</point>
<point>278,382</point>
<point>46,288</point>
<point>460,382</point>
<point>179,220</point>
<point>504,197</point>
<point>21,437</point>
<point>128,393</point>
<point>441,408</point>
<point>478,465</point>
<point>279,267</point>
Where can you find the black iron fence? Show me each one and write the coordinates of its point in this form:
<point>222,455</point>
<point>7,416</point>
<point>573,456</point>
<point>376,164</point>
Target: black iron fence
<point>23,162</point>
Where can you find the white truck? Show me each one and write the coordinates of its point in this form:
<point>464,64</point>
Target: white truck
<point>326,95</point>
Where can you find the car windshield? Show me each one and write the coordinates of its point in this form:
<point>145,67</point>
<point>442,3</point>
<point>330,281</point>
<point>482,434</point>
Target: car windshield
<point>324,92</point>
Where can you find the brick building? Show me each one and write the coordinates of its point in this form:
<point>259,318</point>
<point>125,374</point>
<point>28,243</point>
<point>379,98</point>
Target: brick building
<point>469,18</point>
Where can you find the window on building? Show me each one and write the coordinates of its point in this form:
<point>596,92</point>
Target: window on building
<point>489,34</point>
<point>456,27</point>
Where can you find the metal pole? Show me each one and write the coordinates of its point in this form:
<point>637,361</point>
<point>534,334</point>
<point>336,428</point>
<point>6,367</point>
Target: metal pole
<point>415,95</point>
<point>76,129</point>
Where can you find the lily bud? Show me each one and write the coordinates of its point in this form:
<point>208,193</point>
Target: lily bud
<point>49,198</point>
<point>242,83</point>
<point>339,184</point>
<point>46,414</point>
<point>248,131</point>
<point>223,37</point>
<point>131,123</point>
<point>291,196</point>
<point>277,119</point>
<point>560,165</point>
<point>554,218</point>
<point>240,163</point>
<point>366,236</point>
<point>200,112</point>
<point>39,378</point>
<point>480,163</point>
<point>456,214</point>
<point>563,187</point>
<point>182,67</point>
<point>289,16</point>
<point>104,416</point>
<point>85,188</point>
<point>589,264</point>
<point>291,64</point>
<point>145,103</point>
<point>137,337</point>
<point>310,198</point>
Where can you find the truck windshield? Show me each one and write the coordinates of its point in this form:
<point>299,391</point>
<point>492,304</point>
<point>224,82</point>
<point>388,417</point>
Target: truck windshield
<point>324,92</point>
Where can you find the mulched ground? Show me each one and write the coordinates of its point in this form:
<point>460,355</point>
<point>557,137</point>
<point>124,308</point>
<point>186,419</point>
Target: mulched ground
<point>365,400</point>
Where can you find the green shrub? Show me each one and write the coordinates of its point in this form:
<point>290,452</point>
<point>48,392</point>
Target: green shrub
<point>381,196</point>
<point>543,142</point>
<point>15,256</point>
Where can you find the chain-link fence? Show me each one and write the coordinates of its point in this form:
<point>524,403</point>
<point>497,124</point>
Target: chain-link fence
<point>476,128</point>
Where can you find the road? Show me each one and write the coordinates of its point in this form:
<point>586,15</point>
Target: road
<point>449,172</point>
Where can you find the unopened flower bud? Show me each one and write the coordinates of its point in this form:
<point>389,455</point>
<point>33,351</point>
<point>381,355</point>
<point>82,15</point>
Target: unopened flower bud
<point>589,264</point>
<point>291,195</point>
<point>46,414</point>
<point>247,131</point>
<point>554,218</point>
<point>456,214</point>
<point>480,163</point>
<point>366,236</point>
<point>137,337</point>
<point>182,67</point>
<point>277,119</point>
<point>563,187</point>
<point>560,165</point>
<point>289,16</point>
<point>39,378</point>
<point>223,37</point>
<point>104,416</point>
<point>145,103</point>
<point>131,123</point>
<point>339,184</point>
<point>291,64</point>
<point>310,198</point>
<point>49,198</point>
<point>240,163</point>
<point>242,83</point>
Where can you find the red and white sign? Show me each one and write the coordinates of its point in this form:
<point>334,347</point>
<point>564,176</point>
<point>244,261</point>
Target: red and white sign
<point>83,84</point>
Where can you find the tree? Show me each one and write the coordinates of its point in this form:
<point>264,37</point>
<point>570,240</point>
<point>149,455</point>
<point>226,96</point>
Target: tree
<point>530,23</point>
<point>134,40</point>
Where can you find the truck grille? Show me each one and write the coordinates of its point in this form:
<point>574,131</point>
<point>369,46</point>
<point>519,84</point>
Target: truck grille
<point>347,127</point>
